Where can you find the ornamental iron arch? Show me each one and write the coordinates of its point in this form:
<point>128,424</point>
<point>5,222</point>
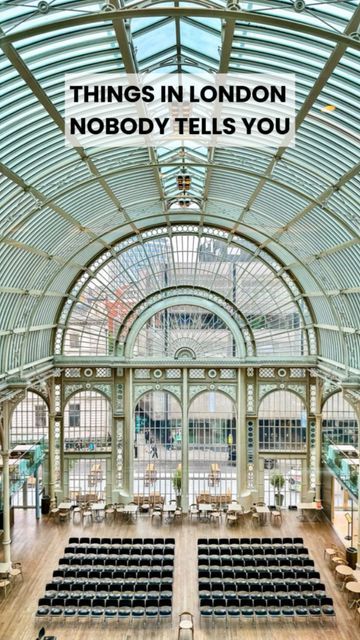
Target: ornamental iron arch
<point>186,301</point>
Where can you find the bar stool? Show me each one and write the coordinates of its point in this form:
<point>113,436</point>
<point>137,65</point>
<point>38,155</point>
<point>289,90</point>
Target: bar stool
<point>77,514</point>
<point>255,520</point>
<point>329,552</point>
<point>276,518</point>
<point>87,516</point>
<point>4,584</point>
<point>109,513</point>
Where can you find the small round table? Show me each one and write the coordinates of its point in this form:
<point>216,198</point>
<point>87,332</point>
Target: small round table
<point>352,588</point>
<point>343,571</point>
<point>335,560</point>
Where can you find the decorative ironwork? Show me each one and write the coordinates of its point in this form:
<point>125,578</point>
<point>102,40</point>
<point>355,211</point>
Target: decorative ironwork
<point>119,398</point>
<point>227,374</point>
<point>195,389</point>
<point>103,372</point>
<point>266,372</point>
<point>142,373</point>
<point>196,374</point>
<point>297,373</point>
<point>69,389</point>
<point>73,372</point>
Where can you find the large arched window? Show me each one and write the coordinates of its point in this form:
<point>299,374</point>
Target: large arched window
<point>87,422</point>
<point>251,283</point>
<point>29,421</point>
<point>157,450</point>
<point>282,422</point>
<point>212,447</point>
<point>339,420</point>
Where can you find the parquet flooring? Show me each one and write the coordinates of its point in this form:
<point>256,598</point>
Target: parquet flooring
<point>38,545</point>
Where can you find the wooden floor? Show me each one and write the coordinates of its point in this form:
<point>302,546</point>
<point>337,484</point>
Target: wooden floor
<point>40,544</point>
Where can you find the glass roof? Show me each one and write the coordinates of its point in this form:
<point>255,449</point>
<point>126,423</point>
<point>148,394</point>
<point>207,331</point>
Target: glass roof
<point>61,207</point>
<point>273,320</point>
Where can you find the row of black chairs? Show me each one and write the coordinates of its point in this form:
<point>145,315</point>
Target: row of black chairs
<point>265,587</point>
<point>52,589</point>
<point>266,607</point>
<point>103,574</point>
<point>252,551</point>
<point>274,562</point>
<point>85,561</point>
<point>262,574</point>
<point>112,561</point>
<point>120,551</point>
<point>102,608</point>
<point>250,541</point>
<point>120,541</point>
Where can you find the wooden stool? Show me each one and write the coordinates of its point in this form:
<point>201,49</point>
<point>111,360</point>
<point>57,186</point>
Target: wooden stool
<point>4,585</point>
<point>330,552</point>
<point>87,515</point>
<point>77,513</point>
<point>255,520</point>
<point>109,513</point>
<point>231,518</point>
<point>186,622</point>
<point>276,517</point>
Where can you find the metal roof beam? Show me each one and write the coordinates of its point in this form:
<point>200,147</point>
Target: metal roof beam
<point>195,12</point>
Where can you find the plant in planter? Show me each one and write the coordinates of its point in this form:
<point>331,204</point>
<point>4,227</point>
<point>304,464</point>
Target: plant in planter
<point>277,480</point>
<point>177,486</point>
<point>353,475</point>
<point>337,459</point>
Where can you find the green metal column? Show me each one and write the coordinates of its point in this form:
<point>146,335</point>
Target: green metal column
<point>6,483</point>
<point>185,443</point>
<point>241,453</point>
<point>128,440</point>
<point>318,428</point>
<point>37,493</point>
<point>52,451</point>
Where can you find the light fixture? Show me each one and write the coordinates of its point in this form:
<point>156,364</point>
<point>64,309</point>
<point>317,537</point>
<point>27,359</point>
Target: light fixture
<point>183,181</point>
<point>328,108</point>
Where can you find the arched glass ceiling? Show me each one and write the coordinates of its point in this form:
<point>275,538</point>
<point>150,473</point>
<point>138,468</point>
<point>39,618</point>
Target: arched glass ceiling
<point>249,285</point>
<point>62,207</point>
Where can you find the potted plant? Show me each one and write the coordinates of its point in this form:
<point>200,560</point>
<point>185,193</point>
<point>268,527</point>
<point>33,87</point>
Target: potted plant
<point>177,486</point>
<point>277,481</point>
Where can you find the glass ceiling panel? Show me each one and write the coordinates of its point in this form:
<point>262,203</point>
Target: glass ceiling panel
<point>109,202</point>
<point>154,41</point>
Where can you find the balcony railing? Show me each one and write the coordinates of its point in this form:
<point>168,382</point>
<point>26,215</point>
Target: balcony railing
<point>343,460</point>
<point>23,462</point>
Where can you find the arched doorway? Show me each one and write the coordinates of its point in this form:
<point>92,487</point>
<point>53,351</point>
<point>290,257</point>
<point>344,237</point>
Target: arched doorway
<point>87,446</point>
<point>212,447</point>
<point>282,438</point>
<point>158,441</point>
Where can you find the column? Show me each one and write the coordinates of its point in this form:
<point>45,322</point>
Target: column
<point>37,494</point>
<point>6,484</point>
<point>241,433</point>
<point>318,428</point>
<point>260,479</point>
<point>185,443</point>
<point>52,450</point>
<point>357,411</point>
<point>25,494</point>
<point>358,531</point>
<point>128,439</point>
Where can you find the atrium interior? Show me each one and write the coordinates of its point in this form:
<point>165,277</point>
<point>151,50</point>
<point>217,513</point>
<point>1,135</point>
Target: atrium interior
<point>179,332</point>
